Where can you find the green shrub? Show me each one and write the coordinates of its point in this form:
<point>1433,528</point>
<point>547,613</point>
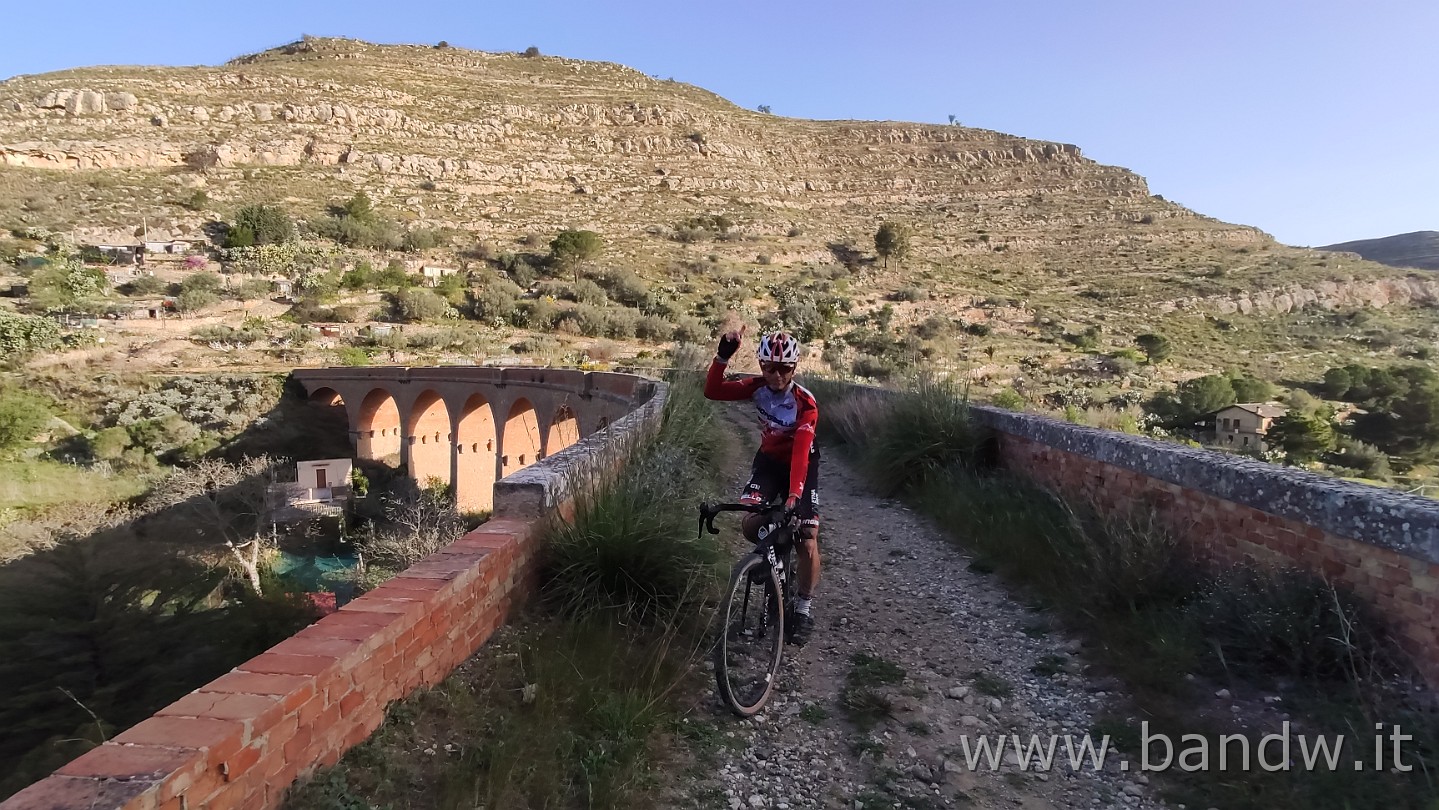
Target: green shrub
<point>22,416</point>
<point>1009,399</point>
<point>691,330</point>
<point>261,225</point>
<point>495,305</point>
<point>910,437</point>
<point>417,239</point>
<point>653,327</point>
<point>621,323</point>
<point>414,305</point>
<point>21,335</point>
<point>352,356</point>
<point>588,292</point>
<point>535,314</point>
<point>867,365</point>
<point>584,320</point>
<point>626,287</point>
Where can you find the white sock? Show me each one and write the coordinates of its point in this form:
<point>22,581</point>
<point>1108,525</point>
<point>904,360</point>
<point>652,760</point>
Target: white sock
<point>801,606</point>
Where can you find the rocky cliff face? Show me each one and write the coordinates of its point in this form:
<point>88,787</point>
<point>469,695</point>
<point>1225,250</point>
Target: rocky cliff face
<point>561,140</point>
<point>1329,295</point>
<point>1419,250</point>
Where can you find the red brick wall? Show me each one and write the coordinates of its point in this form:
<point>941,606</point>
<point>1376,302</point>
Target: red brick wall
<point>1403,588</point>
<point>239,741</point>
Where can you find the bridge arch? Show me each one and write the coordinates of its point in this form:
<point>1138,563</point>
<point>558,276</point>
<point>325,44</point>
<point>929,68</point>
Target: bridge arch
<point>476,465</point>
<point>378,428</point>
<point>520,444</point>
<point>429,439</point>
<point>490,421</point>
<point>564,430</point>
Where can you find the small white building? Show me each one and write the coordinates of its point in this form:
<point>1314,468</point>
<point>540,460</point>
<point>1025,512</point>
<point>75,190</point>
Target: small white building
<point>121,254</point>
<point>178,247</point>
<point>432,274</point>
<point>322,489</point>
<point>325,475</point>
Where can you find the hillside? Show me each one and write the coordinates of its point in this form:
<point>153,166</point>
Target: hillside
<point>1020,242</point>
<point>1419,249</point>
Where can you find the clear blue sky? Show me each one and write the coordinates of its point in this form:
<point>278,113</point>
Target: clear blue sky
<point>1315,120</point>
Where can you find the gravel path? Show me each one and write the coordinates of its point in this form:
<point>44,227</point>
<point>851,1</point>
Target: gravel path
<point>974,662</point>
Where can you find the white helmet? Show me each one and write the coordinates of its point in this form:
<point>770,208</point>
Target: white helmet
<point>778,347</point>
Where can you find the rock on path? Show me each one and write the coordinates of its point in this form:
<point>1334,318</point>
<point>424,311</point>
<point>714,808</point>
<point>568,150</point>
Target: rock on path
<point>895,589</point>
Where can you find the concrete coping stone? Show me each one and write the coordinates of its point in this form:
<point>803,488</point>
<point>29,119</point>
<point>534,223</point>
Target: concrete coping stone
<point>1404,523</point>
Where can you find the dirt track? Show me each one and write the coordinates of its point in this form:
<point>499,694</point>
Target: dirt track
<point>974,661</point>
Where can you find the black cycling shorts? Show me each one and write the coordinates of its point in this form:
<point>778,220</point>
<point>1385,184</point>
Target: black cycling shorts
<point>769,478</point>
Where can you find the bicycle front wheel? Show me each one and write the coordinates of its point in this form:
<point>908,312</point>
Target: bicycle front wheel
<point>751,642</point>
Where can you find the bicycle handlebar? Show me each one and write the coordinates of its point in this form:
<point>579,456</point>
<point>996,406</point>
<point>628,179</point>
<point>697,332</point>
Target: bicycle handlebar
<point>708,511</point>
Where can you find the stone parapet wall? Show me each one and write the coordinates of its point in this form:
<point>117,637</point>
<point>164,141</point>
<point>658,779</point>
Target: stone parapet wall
<point>1380,544</point>
<point>240,741</point>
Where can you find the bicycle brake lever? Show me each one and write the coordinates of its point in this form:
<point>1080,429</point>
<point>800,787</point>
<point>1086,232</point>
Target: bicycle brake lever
<point>707,519</point>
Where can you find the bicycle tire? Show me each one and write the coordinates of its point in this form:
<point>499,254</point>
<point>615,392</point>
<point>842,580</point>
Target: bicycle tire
<point>747,692</point>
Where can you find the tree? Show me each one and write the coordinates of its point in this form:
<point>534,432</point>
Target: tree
<point>573,248</point>
<point>1303,437</point>
<point>253,290</point>
<point>951,119</point>
<point>1156,348</point>
<point>1337,383</point>
<point>1195,398</point>
<point>360,277</point>
<point>891,239</point>
<point>67,284</point>
<point>532,51</point>
<point>264,224</point>
<point>191,301</point>
<point>764,108</point>
<point>1206,394</point>
<point>22,334</point>
<point>415,304</point>
<point>225,500</point>
<point>240,236</point>
<point>393,276</point>
<point>206,282</point>
<point>1252,389</point>
<point>22,415</point>
<point>147,285</point>
<point>1414,427</point>
<point>360,208</point>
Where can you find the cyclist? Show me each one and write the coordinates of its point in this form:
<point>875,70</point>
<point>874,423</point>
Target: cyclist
<point>787,461</point>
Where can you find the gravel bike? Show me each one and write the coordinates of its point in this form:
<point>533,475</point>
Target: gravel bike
<point>752,635</point>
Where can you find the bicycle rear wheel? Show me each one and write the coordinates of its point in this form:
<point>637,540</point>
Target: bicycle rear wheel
<point>751,643</point>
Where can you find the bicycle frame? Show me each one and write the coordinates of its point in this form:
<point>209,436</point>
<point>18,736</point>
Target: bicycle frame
<point>776,538</point>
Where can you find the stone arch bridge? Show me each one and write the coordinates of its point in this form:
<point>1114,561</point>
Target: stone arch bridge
<point>470,426</point>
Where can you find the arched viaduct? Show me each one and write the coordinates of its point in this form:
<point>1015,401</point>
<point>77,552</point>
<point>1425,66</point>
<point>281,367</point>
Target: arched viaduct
<point>470,426</point>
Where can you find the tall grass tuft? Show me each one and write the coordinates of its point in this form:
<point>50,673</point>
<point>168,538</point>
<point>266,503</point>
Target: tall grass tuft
<point>1288,624</point>
<point>902,438</point>
<point>632,546</point>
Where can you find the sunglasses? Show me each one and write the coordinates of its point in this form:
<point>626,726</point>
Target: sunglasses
<point>777,368</point>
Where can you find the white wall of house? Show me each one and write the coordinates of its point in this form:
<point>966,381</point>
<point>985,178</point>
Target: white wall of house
<point>325,473</point>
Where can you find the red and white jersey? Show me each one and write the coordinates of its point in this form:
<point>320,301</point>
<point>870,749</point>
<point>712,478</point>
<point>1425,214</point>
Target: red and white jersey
<point>787,418</point>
